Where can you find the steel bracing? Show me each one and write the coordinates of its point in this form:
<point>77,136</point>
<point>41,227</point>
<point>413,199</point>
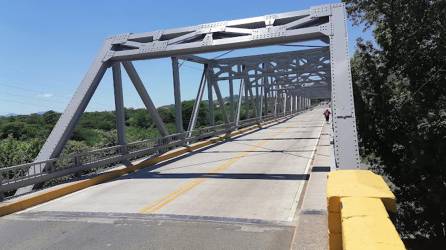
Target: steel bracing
<point>269,84</point>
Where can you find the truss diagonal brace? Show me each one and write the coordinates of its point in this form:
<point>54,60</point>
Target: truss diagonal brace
<point>134,77</point>
<point>197,102</point>
<point>64,127</point>
<point>220,101</point>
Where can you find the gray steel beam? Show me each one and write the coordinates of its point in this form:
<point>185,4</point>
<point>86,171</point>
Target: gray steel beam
<point>344,120</point>
<point>195,59</point>
<point>119,103</point>
<point>177,95</point>
<point>139,86</point>
<point>262,58</point>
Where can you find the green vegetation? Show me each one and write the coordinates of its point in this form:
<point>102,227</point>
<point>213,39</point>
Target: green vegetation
<point>400,95</point>
<point>21,137</point>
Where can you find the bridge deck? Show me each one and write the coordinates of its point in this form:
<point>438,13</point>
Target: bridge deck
<point>241,194</point>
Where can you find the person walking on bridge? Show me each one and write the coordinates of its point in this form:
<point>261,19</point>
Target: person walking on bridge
<point>327,115</point>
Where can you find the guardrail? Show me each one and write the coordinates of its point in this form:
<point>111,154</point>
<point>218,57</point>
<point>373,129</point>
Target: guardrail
<point>15,177</point>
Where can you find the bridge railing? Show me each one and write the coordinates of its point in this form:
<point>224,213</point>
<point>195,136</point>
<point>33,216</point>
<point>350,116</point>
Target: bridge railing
<point>50,172</point>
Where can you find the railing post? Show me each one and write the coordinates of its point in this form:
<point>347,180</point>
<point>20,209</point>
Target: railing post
<point>77,165</point>
<point>2,195</point>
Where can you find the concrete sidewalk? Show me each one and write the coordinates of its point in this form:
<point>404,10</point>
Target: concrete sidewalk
<point>312,228</point>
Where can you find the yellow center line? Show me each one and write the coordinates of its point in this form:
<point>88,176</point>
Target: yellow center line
<point>154,207</point>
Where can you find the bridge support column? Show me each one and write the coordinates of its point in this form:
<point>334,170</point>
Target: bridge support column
<point>177,95</point>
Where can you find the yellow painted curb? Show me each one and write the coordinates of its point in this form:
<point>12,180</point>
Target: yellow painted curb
<point>21,203</point>
<point>357,183</point>
<point>335,241</point>
<point>358,201</point>
<point>366,225</point>
<point>334,222</point>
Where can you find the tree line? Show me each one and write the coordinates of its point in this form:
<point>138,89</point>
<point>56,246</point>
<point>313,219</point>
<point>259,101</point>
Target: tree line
<point>400,98</point>
<point>22,136</point>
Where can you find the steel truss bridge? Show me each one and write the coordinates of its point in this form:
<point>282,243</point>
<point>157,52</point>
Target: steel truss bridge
<point>274,84</point>
<point>277,86</point>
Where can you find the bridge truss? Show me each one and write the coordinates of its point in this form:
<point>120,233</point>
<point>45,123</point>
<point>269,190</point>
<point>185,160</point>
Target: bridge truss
<point>273,83</point>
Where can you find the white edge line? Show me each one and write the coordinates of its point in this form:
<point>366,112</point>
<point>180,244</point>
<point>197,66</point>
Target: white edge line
<point>307,168</point>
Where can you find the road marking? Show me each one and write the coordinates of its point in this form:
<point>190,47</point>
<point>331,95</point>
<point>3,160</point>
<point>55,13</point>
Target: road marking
<point>152,208</point>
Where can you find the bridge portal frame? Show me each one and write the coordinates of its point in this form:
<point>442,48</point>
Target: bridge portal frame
<point>326,23</point>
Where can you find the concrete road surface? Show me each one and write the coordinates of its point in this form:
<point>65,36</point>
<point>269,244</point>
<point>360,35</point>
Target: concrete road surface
<point>241,194</point>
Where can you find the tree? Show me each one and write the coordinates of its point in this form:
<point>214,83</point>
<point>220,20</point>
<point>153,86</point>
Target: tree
<point>400,98</point>
<point>14,152</point>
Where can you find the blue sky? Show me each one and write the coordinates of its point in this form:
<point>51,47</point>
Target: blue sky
<point>48,45</point>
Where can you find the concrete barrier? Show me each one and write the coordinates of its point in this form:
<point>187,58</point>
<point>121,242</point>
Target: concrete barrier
<point>358,205</point>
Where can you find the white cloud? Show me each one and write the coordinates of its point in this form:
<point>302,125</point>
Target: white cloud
<point>45,95</point>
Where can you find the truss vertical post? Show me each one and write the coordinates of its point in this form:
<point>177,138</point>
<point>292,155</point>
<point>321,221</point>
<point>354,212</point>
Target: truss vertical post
<point>343,109</point>
<point>261,102</point>
<point>139,86</point>
<point>257,99</point>
<point>177,95</point>
<point>210,101</point>
<point>119,104</point>
<point>295,103</point>
<point>291,103</point>
<point>196,107</point>
<point>265,89</point>
<point>275,103</point>
<point>239,103</point>
<point>231,98</point>
<point>284,102</point>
